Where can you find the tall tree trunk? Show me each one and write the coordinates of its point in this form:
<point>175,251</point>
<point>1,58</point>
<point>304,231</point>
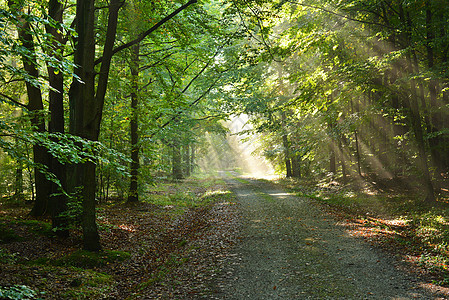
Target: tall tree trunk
<point>288,166</point>
<point>57,200</point>
<point>86,103</point>
<point>436,117</point>
<point>35,107</point>
<point>176,161</point>
<point>186,160</point>
<point>82,101</point>
<point>356,138</point>
<point>286,146</point>
<point>133,195</point>
<point>86,106</point>
<point>415,120</point>
<point>343,166</point>
<point>192,158</point>
<point>18,184</point>
<point>332,161</point>
<point>296,166</point>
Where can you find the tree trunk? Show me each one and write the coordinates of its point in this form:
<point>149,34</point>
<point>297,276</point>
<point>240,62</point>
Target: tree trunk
<point>18,184</point>
<point>192,159</point>
<point>176,161</point>
<point>35,107</point>
<point>436,117</point>
<point>286,146</point>
<point>133,195</point>
<point>343,167</point>
<point>186,160</point>
<point>332,161</point>
<point>82,105</point>
<point>296,166</point>
<point>86,106</point>
<point>288,166</point>
<point>356,137</point>
<point>415,120</point>
<point>57,200</point>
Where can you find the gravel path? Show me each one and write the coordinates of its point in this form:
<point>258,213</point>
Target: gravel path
<point>289,249</point>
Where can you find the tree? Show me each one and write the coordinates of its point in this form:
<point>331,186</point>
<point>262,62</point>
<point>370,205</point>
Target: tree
<point>87,95</point>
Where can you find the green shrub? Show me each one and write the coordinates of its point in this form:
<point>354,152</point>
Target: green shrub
<point>17,292</point>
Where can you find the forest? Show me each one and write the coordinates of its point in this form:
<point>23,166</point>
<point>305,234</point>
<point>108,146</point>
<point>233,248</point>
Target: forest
<point>120,112</point>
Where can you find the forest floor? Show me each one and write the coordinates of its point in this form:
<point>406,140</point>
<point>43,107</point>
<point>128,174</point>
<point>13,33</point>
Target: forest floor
<point>184,241</point>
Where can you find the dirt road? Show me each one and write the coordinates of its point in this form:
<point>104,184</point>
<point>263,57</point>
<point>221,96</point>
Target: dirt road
<point>289,249</point>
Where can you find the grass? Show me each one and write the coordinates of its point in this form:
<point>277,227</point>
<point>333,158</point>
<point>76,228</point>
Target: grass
<point>190,193</point>
<point>9,229</point>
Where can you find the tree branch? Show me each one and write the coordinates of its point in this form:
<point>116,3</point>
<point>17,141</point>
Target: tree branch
<point>179,112</point>
<point>149,31</point>
<point>13,100</point>
<point>339,15</point>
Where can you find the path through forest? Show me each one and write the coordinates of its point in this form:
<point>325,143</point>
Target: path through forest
<point>290,249</point>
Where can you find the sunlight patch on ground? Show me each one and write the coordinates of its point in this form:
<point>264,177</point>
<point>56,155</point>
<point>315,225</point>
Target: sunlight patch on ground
<point>217,192</point>
<point>279,194</point>
<point>129,228</point>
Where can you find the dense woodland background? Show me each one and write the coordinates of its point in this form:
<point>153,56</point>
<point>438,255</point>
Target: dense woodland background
<point>101,99</point>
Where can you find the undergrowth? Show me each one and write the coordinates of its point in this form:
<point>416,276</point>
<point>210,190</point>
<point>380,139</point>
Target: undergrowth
<point>35,263</point>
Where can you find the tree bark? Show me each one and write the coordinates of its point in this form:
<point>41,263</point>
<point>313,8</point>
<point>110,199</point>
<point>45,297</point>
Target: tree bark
<point>436,117</point>
<point>57,200</point>
<point>186,160</point>
<point>176,161</point>
<point>18,184</point>
<point>133,195</point>
<point>86,106</point>
<point>296,166</point>
<point>286,146</point>
<point>192,159</point>
<point>35,107</point>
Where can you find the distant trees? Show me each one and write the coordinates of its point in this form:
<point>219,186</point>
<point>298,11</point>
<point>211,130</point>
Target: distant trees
<point>371,76</point>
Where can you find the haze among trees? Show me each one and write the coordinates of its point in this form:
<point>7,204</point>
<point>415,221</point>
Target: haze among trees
<point>101,100</point>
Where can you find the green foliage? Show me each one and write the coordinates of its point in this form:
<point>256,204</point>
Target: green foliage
<point>17,292</point>
<point>89,260</point>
